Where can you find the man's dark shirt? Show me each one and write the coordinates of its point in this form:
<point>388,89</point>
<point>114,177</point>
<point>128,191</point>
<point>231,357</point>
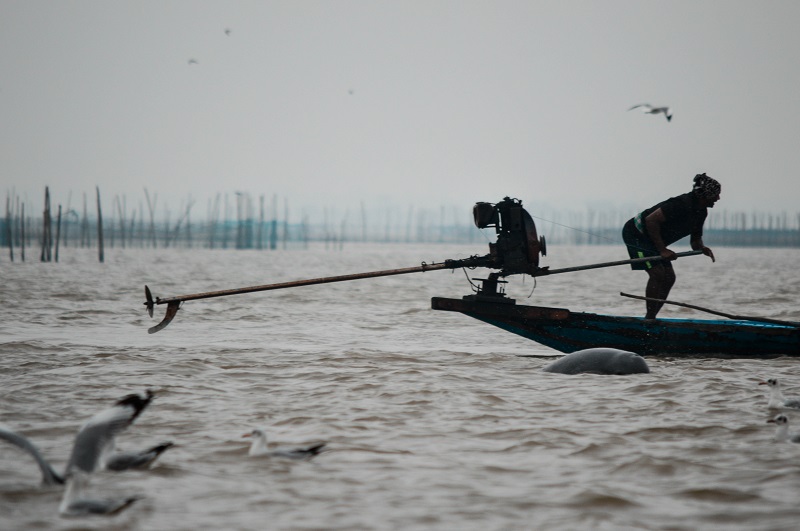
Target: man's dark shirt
<point>683,217</point>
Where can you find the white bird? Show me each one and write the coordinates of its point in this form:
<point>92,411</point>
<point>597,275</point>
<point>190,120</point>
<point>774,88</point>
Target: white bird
<point>94,444</point>
<point>259,448</point>
<point>74,502</point>
<point>92,450</point>
<point>649,109</point>
<point>776,398</point>
<point>782,434</point>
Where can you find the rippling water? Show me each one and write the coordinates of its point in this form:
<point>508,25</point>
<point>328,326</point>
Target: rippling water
<point>434,420</point>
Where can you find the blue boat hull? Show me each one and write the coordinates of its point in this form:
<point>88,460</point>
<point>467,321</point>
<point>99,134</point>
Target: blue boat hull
<point>568,331</point>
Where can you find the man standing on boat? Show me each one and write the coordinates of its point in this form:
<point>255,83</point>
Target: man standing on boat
<point>649,232</point>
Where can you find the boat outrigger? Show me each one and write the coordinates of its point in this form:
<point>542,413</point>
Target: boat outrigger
<point>517,251</point>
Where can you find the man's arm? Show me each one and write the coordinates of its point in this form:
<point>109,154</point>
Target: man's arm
<point>653,223</point>
<point>697,245</point>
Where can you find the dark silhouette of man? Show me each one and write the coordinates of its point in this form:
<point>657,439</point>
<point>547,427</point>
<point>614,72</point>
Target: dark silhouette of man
<point>652,230</point>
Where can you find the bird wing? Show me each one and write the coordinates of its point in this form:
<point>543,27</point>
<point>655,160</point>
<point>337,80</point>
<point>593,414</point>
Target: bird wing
<point>95,440</point>
<point>99,506</point>
<point>121,461</point>
<point>298,453</point>
<point>49,476</point>
<point>793,403</point>
<point>645,105</point>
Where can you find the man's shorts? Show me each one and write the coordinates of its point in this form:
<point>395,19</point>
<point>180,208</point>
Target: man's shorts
<point>640,246</point>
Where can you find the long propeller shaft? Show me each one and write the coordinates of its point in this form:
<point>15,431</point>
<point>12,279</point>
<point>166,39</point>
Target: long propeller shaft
<point>174,303</point>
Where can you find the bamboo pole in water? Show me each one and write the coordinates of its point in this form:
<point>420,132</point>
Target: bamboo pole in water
<point>9,230</point>
<point>273,235</point>
<point>151,206</point>
<point>66,219</point>
<point>100,251</point>
<point>225,216</point>
<point>132,228</point>
<point>58,231</point>
<point>167,221</point>
<point>86,238</point>
<point>285,220</point>
<point>189,223</point>
<point>212,225</point>
<point>260,231</point>
<point>22,231</point>
<point>122,213</point>
<point>44,255</point>
<point>185,216</point>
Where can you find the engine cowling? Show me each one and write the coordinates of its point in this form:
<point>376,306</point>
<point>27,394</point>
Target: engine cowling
<point>518,245</point>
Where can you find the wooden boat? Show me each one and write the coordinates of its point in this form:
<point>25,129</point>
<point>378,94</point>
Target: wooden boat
<point>568,331</point>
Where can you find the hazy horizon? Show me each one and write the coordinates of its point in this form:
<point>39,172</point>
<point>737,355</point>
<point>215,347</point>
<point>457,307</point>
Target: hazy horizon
<point>331,104</point>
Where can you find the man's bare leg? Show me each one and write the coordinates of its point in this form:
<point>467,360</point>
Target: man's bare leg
<point>661,280</point>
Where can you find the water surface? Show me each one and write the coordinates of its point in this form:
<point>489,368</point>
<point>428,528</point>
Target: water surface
<point>434,420</point>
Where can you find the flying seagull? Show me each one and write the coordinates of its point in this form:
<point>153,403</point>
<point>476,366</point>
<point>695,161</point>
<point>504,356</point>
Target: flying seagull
<point>94,444</point>
<point>227,31</point>
<point>192,61</point>
<point>259,448</point>
<point>95,440</point>
<point>92,451</point>
<point>649,109</point>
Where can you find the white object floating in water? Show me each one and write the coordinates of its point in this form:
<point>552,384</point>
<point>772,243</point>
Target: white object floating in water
<point>782,434</point>
<point>259,448</point>
<point>776,398</point>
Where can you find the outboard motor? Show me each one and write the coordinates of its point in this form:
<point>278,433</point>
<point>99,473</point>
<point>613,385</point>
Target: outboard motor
<point>518,246</point>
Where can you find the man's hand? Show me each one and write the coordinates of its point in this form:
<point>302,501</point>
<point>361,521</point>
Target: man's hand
<point>666,254</point>
<point>708,252</point>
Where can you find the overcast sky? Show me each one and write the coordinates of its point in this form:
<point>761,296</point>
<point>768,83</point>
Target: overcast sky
<point>403,102</point>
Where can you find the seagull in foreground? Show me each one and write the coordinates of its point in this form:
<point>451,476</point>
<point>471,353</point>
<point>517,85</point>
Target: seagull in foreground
<point>649,109</point>
<point>259,448</point>
<point>94,444</point>
<point>782,433</point>
<point>92,450</point>
<point>776,398</point>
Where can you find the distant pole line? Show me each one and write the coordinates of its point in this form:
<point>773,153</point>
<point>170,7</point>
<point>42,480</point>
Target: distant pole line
<point>271,227</point>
